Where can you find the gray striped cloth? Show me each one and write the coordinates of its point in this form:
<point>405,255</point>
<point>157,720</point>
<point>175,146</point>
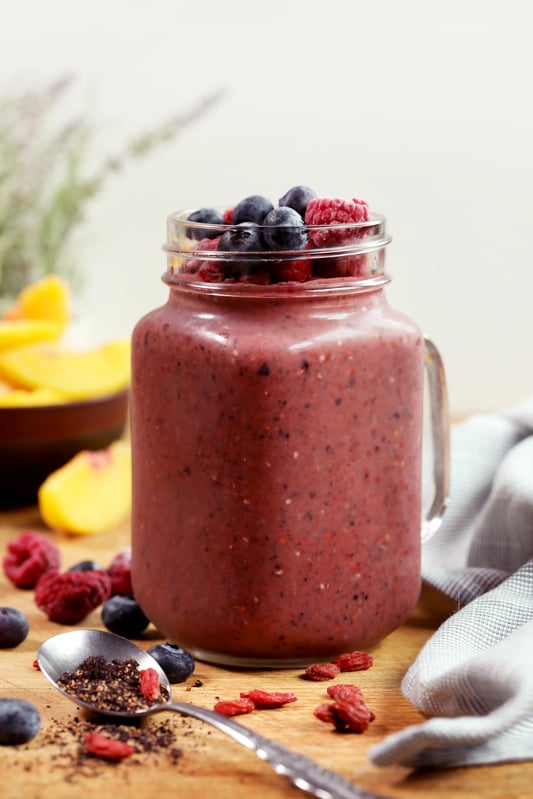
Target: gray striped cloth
<point>473,678</point>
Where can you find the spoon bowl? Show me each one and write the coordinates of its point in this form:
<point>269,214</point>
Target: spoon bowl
<point>67,651</point>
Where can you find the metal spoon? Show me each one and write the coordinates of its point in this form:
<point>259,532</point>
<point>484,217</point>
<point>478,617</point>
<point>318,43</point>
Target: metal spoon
<point>67,651</point>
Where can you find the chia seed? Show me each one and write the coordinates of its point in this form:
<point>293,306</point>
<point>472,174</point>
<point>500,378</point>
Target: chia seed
<point>108,684</point>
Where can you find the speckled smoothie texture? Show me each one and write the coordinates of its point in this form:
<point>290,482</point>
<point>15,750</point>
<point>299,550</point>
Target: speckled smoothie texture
<point>277,473</point>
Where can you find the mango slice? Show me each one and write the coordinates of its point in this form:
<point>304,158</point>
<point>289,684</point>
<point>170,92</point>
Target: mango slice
<point>91,493</point>
<point>19,332</point>
<point>76,375</point>
<point>48,299</point>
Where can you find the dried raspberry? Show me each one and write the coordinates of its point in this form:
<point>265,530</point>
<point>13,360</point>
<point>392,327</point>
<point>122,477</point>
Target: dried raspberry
<point>354,661</point>
<point>234,707</point>
<point>324,211</point>
<point>69,597</point>
<point>150,687</point>
<point>119,571</point>
<point>268,699</point>
<point>322,671</point>
<point>29,557</point>
<point>107,748</point>
<point>296,271</point>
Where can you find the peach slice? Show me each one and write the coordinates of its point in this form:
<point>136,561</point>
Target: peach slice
<point>48,299</point>
<point>19,332</point>
<point>97,372</point>
<point>91,493</point>
<point>20,398</point>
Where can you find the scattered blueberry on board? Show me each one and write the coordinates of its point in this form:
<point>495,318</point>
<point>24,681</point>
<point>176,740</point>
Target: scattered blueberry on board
<point>123,615</point>
<point>20,721</point>
<point>14,627</point>
<point>177,663</point>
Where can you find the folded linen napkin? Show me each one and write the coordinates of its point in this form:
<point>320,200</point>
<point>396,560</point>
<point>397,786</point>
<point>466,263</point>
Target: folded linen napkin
<point>474,677</point>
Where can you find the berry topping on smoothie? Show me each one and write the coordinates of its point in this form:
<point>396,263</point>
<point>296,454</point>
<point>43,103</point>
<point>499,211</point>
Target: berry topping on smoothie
<point>301,221</point>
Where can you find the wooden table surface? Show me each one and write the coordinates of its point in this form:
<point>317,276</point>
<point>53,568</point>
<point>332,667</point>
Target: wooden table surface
<point>208,764</point>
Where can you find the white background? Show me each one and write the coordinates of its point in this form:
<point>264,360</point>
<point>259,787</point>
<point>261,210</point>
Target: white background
<point>423,108</point>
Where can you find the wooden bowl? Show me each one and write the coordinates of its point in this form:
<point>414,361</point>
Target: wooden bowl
<point>35,441</point>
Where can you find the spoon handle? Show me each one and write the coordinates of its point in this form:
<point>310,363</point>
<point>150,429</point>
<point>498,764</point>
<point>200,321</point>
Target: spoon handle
<point>304,772</point>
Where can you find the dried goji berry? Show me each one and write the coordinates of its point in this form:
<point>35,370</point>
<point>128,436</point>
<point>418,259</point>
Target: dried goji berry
<point>234,707</point>
<point>107,748</point>
<point>119,571</point>
<point>345,692</point>
<point>150,687</point>
<point>268,699</point>
<point>69,597</point>
<point>348,711</point>
<point>322,671</point>
<point>355,715</point>
<point>353,661</point>
<point>29,557</point>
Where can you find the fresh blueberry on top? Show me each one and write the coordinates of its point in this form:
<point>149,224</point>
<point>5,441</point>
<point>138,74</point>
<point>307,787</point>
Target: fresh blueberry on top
<point>298,198</point>
<point>251,209</point>
<point>177,663</point>
<point>284,229</point>
<point>207,216</point>
<point>245,237</point>
<point>123,615</point>
<point>20,721</point>
<point>14,627</point>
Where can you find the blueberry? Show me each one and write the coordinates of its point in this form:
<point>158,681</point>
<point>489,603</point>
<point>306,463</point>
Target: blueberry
<point>14,627</point>
<point>284,229</point>
<point>123,615</point>
<point>245,237</point>
<point>86,566</point>
<point>251,209</point>
<point>298,198</point>
<point>20,721</point>
<point>177,663</point>
<point>208,216</point>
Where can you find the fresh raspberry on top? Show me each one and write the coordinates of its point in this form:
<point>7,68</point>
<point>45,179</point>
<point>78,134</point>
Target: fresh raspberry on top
<point>228,216</point>
<point>333,211</point>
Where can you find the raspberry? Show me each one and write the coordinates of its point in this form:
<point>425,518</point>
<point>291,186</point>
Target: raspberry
<point>325,211</point>
<point>69,597</point>
<point>106,748</point>
<point>322,671</point>
<point>150,687</point>
<point>228,216</point>
<point>211,272</point>
<point>297,271</point>
<point>268,699</point>
<point>119,571</point>
<point>234,707</point>
<point>29,557</point>
<point>353,661</point>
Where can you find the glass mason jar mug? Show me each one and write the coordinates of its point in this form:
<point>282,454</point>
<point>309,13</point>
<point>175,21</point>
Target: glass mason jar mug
<point>277,435</point>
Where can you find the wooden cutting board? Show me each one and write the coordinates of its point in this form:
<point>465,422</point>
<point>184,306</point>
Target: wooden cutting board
<point>194,760</point>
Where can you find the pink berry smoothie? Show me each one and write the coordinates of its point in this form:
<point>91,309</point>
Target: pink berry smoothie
<point>276,471</point>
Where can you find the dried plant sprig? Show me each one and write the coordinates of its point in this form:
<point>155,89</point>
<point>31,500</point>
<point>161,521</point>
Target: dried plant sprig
<point>46,183</point>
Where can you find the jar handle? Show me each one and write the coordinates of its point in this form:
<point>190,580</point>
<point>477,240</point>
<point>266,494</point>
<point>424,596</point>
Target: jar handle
<point>440,437</point>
